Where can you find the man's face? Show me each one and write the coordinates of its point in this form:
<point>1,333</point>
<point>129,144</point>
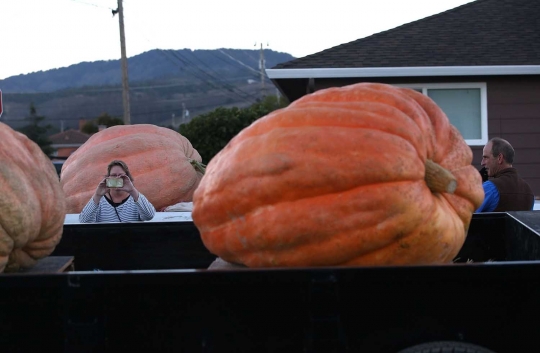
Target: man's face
<point>491,162</point>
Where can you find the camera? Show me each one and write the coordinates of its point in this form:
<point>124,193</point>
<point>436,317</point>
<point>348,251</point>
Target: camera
<point>484,174</point>
<point>115,182</point>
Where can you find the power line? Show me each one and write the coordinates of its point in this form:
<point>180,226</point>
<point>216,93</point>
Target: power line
<point>86,109</point>
<point>210,69</point>
<point>90,4</point>
<point>111,108</point>
<point>238,61</point>
<point>189,69</point>
<point>253,73</point>
<point>189,64</point>
<point>161,111</point>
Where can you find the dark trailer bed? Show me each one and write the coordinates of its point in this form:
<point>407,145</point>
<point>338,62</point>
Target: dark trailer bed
<point>144,287</point>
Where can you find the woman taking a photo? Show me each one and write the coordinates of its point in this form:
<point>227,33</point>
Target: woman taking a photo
<point>116,199</point>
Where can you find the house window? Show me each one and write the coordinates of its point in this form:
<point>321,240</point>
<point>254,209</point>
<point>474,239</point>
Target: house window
<point>465,105</point>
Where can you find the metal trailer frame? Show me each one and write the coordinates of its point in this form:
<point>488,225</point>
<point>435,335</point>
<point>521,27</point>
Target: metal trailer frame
<point>144,287</point>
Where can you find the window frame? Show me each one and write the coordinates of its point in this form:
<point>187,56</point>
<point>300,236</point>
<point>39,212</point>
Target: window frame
<point>458,85</point>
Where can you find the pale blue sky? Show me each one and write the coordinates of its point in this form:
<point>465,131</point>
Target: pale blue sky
<point>45,34</point>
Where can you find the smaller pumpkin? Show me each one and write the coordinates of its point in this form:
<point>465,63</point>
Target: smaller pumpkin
<point>164,164</point>
<point>32,205</point>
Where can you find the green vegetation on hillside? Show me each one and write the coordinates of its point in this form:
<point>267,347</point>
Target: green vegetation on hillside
<point>36,132</point>
<point>210,132</point>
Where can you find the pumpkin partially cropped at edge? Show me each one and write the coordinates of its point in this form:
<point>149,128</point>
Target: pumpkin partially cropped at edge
<point>160,160</point>
<point>338,178</point>
<point>32,204</point>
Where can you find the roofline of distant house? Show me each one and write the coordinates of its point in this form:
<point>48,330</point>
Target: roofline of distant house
<point>404,71</point>
<point>66,145</point>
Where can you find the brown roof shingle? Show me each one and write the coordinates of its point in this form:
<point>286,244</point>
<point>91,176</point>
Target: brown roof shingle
<point>69,137</point>
<point>480,33</point>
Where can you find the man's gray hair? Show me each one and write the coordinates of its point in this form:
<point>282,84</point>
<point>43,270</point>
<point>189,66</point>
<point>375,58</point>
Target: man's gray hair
<point>501,146</point>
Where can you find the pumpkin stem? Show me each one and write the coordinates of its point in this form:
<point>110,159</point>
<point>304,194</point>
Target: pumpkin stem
<point>198,166</point>
<point>439,179</point>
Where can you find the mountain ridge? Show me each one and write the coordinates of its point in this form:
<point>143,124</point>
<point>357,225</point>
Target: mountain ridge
<point>163,84</point>
<point>108,72</point>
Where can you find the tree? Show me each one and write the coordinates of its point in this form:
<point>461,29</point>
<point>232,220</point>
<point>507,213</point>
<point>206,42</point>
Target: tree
<point>37,133</point>
<point>92,126</point>
<point>89,128</point>
<point>210,132</point>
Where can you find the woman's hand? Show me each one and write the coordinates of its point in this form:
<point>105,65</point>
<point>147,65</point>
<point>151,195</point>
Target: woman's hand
<point>129,188</point>
<point>127,184</point>
<point>101,190</point>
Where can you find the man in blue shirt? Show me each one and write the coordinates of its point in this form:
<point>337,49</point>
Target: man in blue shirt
<point>505,190</point>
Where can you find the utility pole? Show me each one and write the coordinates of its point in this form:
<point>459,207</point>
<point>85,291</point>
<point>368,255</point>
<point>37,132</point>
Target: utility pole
<point>125,83</point>
<point>262,65</point>
<point>183,112</point>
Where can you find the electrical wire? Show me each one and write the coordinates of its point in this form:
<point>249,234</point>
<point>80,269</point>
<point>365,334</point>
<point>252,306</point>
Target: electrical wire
<point>253,72</point>
<point>188,65</point>
<point>91,4</point>
<point>112,109</point>
<point>245,96</point>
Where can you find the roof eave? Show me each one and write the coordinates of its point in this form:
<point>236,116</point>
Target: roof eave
<point>403,71</point>
<point>66,145</point>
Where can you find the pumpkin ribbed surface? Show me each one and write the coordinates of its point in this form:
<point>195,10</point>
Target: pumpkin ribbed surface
<point>339,178</point>
<point>32,204</point>
<point>157,157</point>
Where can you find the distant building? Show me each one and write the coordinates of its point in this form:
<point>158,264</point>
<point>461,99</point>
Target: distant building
<point>65,143</point>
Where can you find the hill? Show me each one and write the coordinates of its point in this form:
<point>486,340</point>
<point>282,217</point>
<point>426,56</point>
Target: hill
<point>163,85</point>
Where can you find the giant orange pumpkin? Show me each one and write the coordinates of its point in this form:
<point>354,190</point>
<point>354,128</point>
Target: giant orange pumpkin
<point>367,174</point>
<point>32,204</point>
<point>160,160</point>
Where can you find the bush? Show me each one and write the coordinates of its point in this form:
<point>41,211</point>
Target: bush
<point>91,127</point>
<point>210,132</point>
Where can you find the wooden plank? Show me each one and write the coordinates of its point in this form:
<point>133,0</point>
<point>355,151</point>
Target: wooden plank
<point>51,264</point>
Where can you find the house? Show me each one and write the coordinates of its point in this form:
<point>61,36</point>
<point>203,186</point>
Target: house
<point>66,142</point>
<point>480,62</point>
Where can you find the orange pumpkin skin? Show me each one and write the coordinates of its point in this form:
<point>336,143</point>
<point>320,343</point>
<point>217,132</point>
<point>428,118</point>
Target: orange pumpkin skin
<point>32,205</point>
<point>338,179</point>
<point>157,157</point>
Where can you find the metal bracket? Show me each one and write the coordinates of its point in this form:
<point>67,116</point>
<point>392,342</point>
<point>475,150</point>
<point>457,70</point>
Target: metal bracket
<point>310,88</point>
<point>84,317</point>
<point>325,332</point>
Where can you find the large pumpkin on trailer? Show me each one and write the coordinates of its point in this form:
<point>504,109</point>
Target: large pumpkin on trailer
<point>32,204</point>
<point>368,174</point>
<point>162,162</point>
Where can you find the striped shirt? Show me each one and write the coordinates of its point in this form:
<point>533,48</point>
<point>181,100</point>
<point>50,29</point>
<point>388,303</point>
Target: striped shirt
<point>128,211</point>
